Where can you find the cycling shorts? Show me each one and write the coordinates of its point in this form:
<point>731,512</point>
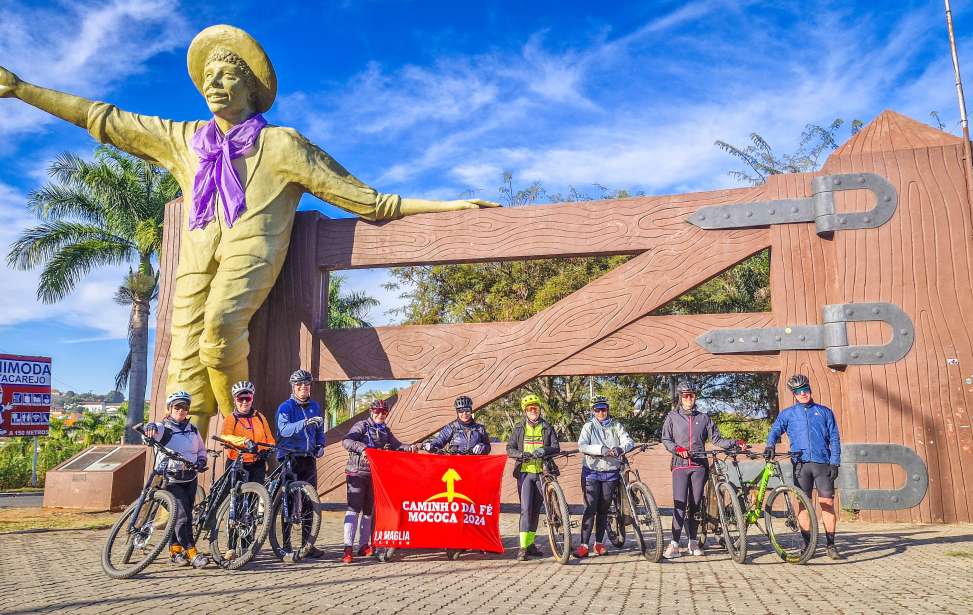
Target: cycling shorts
<point>809,475</point>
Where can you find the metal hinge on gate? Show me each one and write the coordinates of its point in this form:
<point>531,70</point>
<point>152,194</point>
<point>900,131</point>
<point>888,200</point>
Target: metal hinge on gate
<point>852,496</point>
<point>832,336</point>
<point>820,208</point>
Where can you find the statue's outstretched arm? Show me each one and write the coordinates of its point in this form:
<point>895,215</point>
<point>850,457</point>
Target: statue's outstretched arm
<point>422,206</point>
<point>322,176</point>
<point>68,107</point>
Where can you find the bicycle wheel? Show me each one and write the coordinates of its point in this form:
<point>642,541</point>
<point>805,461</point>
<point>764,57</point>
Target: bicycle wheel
<point>646,521</point>
<point>144,542</point>
<point>707,515</point>
<point>733,525</point>
<point>781,516</point>
<point>246,531</point>
<point>616,521</point>
<point>558,522</point>
<point>304,511</point>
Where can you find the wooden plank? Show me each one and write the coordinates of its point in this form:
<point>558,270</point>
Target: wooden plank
<point>684,257</point>
<point>163,314</point>
<point>620,226</point>
<point>652,344</point>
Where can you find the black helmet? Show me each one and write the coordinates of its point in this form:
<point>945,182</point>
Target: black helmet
<point>798,381</point>
<point>685,386</point>
<point>463,403</point>
<point>301,376</point>
<point>599,402</point>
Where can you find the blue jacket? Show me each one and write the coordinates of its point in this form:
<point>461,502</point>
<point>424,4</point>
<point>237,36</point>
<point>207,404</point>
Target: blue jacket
<point>811,429</point>
<point>462,437</point>
<point>291,432</point>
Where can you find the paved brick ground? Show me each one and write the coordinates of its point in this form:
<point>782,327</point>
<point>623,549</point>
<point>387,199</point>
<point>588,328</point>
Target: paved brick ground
<point>890,569</point>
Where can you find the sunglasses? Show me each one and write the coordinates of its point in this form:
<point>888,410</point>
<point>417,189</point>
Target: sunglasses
<point>243,398</point>
<point>802,392</point>
<point>599,409</point>
<point>380,411</point>
<point>464,411</point>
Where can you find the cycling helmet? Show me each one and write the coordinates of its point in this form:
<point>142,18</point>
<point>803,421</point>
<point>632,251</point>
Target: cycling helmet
<point>301,376</point>
<point>530,400</point>
<point>379,405</point>
<point>179,396</point>
<point>686,386</point>
<point>599,402</point>
<point>244,386</point>
<point>463,403</point>
<point>798,381</point>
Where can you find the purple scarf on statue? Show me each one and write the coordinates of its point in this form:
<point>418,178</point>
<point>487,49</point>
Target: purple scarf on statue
<point>216,173</point>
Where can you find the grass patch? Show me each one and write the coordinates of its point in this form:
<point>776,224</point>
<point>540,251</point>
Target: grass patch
<point>19,519</point>
<point>959,553</point>
<point>24,490</point>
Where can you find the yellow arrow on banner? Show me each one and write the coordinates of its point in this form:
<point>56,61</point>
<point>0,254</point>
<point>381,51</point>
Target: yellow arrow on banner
<point>450,477</point>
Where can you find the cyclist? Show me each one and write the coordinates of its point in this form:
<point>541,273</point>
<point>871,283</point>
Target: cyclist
<point>176,434</point>
<point>531,440</point>
<point>301,430</point>
<point>244,427</point>
<point>463,435</point>
<point>813,431</point>
<point>684,434</point>
<point>603,441</point>
<point>365,434</point>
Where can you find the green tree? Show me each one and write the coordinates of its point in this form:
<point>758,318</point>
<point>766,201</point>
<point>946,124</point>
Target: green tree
<point>345,311</point>
<point>763,161</point>
<point>100,213</point>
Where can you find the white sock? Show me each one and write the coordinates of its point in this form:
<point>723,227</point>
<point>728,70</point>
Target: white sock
<point>365,534</point>
<point>351,524</point>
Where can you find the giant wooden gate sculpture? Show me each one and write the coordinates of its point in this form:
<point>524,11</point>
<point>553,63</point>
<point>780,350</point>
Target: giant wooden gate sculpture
<point>917,265</point>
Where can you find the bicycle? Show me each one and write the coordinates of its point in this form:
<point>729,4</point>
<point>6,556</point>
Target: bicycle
<point>236,512</point>
<point>779,508</point>
<point>148,523</point>
<point>556,513</point>
<point>293,504</point>
<point>644,518</point>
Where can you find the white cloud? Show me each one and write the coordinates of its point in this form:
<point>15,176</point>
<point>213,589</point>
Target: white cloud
<point>638,110</point>
<point>90,305</point>
<point>82,47</point>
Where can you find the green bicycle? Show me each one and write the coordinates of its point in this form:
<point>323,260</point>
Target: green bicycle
<point>734,509</point>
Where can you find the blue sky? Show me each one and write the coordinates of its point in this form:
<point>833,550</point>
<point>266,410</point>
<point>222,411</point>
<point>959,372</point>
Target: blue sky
<point>435,99</point>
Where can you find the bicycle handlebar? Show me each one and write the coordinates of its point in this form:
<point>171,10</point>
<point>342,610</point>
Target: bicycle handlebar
<point>150,441</point>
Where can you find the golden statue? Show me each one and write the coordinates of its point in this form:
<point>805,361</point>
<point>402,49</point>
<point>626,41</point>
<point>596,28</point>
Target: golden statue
<point>243,179</point>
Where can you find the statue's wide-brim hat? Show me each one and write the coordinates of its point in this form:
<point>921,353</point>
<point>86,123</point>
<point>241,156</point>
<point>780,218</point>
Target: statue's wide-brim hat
<point>243,45</point>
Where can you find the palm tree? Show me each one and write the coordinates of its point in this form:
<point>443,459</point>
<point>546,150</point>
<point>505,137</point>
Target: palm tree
<point>104,212</point>
<point>345,312</point>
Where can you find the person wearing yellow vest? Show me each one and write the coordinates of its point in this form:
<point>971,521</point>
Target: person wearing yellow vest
<point>531,440</point>
<point>244,427</point>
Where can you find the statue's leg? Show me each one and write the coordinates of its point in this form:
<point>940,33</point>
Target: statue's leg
<point>240,286</point>
<point>194,276</point>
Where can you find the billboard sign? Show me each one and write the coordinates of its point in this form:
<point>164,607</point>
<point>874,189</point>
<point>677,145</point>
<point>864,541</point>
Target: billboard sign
<point>25,395</point>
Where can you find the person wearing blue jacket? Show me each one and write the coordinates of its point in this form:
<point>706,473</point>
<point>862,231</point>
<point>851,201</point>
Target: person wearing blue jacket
<point>813,432</point>
<point>300,430</point>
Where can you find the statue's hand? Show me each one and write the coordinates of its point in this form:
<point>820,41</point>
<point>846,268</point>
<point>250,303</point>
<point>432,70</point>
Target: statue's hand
<point>8,83</point>
<point>471,204</point>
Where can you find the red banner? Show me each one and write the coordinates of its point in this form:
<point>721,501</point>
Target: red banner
<point>436,501</point>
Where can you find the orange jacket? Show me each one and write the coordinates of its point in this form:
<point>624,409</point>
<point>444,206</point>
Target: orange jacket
<point>237,430</point>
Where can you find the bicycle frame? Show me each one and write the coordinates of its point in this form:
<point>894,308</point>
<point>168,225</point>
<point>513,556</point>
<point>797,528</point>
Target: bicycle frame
<point>770,470</point>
